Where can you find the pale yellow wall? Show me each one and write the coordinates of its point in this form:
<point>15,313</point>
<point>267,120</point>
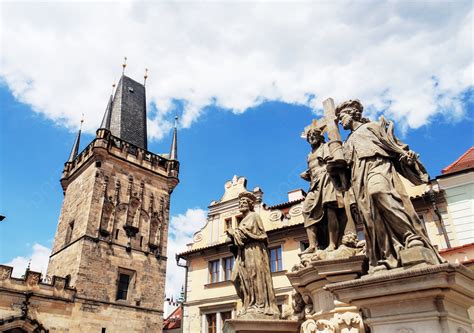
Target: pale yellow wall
<point>202,295</point>
<point>459,254</point>
<point>459,192</point>
<point>432,225</point>
<point>201,298</point>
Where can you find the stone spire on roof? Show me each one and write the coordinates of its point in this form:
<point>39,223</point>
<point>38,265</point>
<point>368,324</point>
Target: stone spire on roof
<point>125,115</point>
<point>75,147</point>
<point>105,124</point>
<point>174,142</point>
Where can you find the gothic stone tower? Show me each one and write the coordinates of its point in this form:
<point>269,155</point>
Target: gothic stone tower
<point>112,233</point>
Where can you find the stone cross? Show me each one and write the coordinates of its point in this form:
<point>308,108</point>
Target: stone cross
<point>328,124</point>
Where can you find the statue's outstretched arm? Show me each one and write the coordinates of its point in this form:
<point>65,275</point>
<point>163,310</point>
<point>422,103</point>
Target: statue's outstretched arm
<point>306,175</point>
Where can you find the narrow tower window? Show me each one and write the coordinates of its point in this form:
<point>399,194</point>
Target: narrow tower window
<point>69,231</point>
<point>124,279</point>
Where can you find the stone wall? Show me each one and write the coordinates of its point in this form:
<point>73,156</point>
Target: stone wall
<point>119,201</point>
<point>54,306</point>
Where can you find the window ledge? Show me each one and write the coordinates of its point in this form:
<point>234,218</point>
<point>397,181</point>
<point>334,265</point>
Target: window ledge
<point>218,284</point>
<point>123,301</point>
<point>279,273</point>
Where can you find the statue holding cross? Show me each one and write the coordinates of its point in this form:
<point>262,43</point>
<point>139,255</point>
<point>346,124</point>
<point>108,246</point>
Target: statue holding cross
<point>394,234</point>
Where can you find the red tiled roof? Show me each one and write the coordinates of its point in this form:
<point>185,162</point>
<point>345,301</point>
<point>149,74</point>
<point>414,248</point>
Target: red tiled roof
<point>456,248</point>
<point>173,320</point>
<point>465,162</point>
<point>286,204</point>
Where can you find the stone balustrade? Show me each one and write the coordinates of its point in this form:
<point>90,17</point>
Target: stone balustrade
<point>123,150</point>
<point>57,287</point>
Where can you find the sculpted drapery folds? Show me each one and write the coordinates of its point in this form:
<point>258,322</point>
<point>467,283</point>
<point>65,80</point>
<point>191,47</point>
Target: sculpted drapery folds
<point>251,274</point>
<point>376,157</point>
<point>323,208</point>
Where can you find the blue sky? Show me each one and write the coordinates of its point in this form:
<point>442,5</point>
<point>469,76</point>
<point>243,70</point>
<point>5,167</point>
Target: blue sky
<point>262,144</point>
<point>245,79</point>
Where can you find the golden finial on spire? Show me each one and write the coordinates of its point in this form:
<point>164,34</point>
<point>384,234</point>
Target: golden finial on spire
<point>113,87</point>
<point>145,76</point>
<point>82,120</point>
<point>176,121</point>
<point>124,64</point>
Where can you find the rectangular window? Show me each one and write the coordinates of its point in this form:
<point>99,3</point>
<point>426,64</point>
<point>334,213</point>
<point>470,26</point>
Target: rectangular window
<point>238,219</point>
<point>116,233</point>
<point>280,307</point>
<point>69,231</point>
<point>275,259</point>
<point>304,245</point>
<point>228,265</point>
<point>123,283</point>
<point>214,271</point>
<point>422,218</point>
<point>211,323</point>
<point>224,316</point>
<point>228,224</point>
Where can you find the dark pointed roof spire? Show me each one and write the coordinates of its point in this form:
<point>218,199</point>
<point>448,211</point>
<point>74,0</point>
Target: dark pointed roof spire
<point>107,115</point>
<point>174,143</point>
<point>125,115</point>
<point>128,112</point>
<point>75,147</point>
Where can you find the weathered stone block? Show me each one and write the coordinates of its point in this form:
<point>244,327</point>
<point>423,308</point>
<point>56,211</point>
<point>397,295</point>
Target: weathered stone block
<point>417,255</point>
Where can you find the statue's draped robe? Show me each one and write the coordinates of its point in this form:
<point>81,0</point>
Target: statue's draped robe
<point>390,220</point>
<point>321,193</point>
<point>321,190</point>
<point>251,274</point>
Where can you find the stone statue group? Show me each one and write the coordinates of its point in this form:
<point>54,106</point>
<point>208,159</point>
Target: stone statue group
<point>352,182</point>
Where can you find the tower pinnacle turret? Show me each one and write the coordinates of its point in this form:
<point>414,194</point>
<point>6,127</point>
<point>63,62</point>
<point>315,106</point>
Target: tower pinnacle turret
<point>174,143</point>
<point>75,147</point>
<point>105,124</point>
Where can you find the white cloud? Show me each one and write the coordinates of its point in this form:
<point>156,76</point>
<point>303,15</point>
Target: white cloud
<point>181,229</point>
<point>411,59</point>
<point>39,261</point>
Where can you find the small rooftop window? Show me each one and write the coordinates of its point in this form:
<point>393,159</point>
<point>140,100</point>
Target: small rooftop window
<point>130,89</point>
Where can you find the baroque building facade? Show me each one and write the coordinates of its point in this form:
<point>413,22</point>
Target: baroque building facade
<point>210,297</point>
<point>108,262</point>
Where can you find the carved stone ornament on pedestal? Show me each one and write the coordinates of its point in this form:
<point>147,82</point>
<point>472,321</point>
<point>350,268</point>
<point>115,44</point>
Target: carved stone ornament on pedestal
<point>324,313</point>
<point>433,299</point>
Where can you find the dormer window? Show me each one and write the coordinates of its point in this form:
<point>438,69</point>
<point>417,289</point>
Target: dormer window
<point>130,89</point>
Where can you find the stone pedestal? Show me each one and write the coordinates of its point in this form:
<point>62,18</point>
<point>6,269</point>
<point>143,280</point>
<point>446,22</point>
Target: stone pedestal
<point>328,314</point>
<point>260,326</point>
<point>431,299</point>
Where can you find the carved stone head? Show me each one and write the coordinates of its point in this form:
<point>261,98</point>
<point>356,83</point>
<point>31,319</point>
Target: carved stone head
<point>246,201</point>
<point>350,110</point>
<point>349,239</point>
<point>314,135</point>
